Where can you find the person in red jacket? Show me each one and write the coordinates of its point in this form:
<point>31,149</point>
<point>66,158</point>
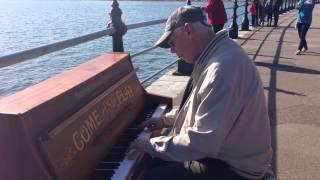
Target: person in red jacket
<point>253,11</point>
<point>217,15</point>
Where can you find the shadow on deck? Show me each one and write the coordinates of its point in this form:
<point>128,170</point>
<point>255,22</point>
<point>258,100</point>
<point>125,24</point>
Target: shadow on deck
<point>292,89</point>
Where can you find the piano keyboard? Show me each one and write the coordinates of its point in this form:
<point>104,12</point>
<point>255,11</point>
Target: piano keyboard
<point>116,165</point>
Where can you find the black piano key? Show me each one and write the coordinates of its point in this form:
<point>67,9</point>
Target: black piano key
<point>119,149</point>
<point>104,172</point>
<point>129,135</point>
<point>99,177</point>
<point>96,177</point>
<point>108,165</point>
<point>123,142</point>
<point>126,139</point>
<point>101,174</point>
<point>114,157</point>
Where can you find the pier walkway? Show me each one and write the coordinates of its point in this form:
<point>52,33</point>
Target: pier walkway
<point>292,89</point>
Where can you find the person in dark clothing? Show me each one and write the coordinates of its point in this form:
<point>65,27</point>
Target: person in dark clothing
<point>217,15</point>
<point>276,11</point>
<point>268,11</point>
<point>262,14</point>
<point>304,19</point>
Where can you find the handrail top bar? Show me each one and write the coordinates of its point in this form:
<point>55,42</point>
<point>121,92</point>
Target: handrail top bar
<point>21,56</point>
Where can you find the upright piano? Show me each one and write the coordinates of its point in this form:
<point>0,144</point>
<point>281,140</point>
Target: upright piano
<point>76,125</point>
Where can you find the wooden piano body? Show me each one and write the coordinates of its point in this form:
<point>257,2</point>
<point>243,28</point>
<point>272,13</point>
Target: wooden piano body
<point>61,127</point>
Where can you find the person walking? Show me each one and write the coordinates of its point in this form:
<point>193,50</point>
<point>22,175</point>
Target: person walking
<point>262,13</point>
<point>268,10</point>
<point>304,19</point>
<point>253,12</point>
<point>276,10</point>
<point>222,130</point>
<point>217,15</point>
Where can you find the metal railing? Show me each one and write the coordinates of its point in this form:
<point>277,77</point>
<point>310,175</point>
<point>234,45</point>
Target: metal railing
<point>15,58</point>
<point>117,29</point>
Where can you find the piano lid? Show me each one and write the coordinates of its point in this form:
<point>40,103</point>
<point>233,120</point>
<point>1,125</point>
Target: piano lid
<point>115,64</point>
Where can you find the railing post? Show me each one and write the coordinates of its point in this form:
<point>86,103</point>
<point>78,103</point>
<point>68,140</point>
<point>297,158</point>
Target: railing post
<point>292,4</point>
<point>233,29</point>
<point>289,2</point>
<point>287,5</point>
<point>118,25</point>
<point>281,11</point>
<point>245,21</point>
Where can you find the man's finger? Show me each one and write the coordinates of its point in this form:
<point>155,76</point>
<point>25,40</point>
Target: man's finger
<point>143,125</point>
<point>132,154</point>
<point>131,146</point>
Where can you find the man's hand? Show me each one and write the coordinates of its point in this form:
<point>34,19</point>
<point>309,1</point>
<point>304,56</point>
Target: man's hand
<point>152,124</point>
<point>139,145</point>
<point>134,150</point>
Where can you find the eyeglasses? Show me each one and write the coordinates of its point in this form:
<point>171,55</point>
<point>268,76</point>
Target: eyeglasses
<point>171,41</point>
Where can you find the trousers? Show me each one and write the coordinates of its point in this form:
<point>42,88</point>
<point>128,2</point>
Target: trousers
<point>302,32</point>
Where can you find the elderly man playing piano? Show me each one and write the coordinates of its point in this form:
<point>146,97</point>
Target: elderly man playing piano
<point>222,130</point>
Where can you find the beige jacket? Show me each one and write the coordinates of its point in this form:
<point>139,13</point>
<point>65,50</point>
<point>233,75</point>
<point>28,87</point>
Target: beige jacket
<point>225,116</point>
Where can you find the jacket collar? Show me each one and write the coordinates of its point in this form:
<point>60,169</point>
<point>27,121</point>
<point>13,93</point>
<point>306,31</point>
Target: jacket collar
<point>204,57</point>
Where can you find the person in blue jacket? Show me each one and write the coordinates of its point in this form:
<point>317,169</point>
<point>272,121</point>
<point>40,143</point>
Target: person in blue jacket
<point>304,19</point>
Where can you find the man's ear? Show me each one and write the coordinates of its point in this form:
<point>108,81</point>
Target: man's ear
<point>188,28</point>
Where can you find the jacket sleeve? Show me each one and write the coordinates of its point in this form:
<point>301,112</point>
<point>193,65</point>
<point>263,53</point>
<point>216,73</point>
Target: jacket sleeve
<point>214,117</point>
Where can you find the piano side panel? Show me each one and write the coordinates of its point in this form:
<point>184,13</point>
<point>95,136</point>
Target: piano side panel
<point>16,161</point>
<point>74,147</point>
